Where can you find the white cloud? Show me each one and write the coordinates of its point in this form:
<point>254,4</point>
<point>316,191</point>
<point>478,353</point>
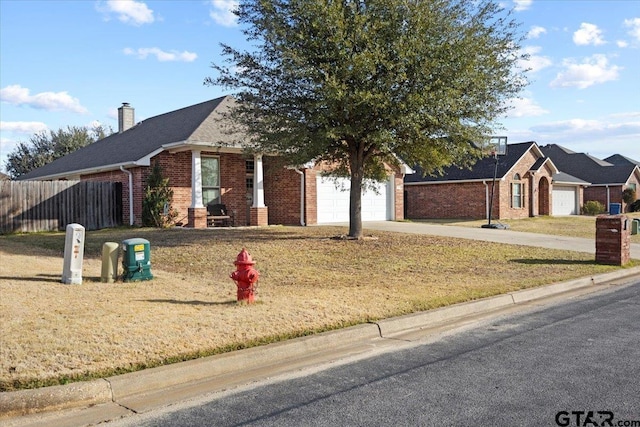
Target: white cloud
<point>593,70</point>
<point>535,62</point>
<point>622,43</point>
<point>600,138</point>
<point>590,129</point>
<point>627,115</point>
<point>525,107</point>
<point>162,56</point>
<point>50,101</point>
<point>222,12</point>
<point>588,34</point>
<point>522,4</point>
<point>536,31</point>
<point>128,11</point>
<point>634,24</point>
<point>572,125</point>
<point>25,128</point>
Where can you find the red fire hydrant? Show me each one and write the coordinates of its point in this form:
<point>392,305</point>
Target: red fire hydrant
<point>245,276</point>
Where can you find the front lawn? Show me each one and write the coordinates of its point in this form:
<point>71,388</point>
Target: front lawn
<point>309,282</point>
<point>573,226</point>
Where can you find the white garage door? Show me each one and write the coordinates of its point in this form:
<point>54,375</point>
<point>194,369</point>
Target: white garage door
<point>333,201</point>
<point>564,201</point>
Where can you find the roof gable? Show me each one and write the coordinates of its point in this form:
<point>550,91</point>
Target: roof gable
<point>484,168</point>
<point>618,159</point>
<point>589,168</point>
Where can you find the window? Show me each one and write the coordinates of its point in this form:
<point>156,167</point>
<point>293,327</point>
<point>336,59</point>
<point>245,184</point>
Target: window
<point>517,199</point>
<point>210,167</point>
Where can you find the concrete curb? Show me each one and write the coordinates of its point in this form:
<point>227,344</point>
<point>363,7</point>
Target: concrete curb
<point>209,367</point>
<point>24,402</point>
<point>114,389</point>
<point>416,321</point>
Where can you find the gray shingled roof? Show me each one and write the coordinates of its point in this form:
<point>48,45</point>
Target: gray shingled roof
<point>588,168</point>
<point>565,178</point>
<point>618,159</point>
<point>188,125</point>
<point>483,169</point>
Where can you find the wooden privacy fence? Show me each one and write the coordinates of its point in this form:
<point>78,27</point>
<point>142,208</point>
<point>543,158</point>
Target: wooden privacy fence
<point>30,206</point>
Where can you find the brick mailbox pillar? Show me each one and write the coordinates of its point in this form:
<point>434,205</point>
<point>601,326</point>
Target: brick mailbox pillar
<point>613,239</point>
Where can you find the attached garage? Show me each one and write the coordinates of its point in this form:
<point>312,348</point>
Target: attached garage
<point>565,200</point>
<point>333,201</point>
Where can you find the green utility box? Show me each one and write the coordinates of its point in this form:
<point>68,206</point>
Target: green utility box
<point>635,226</point>
<point>136,260</point>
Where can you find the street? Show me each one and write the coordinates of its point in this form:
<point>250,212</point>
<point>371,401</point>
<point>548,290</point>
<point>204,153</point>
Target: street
<point>569,364</point>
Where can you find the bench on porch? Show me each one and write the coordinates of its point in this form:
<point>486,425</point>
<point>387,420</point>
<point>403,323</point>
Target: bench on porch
<point>217,214</point>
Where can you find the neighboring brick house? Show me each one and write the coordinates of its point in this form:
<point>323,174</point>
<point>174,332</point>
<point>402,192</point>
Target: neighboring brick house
<point>523,188</point>
<point>207,164</point>
<point>608,177</point>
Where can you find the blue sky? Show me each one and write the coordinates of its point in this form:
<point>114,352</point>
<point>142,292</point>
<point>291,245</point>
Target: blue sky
<point>75,62</point>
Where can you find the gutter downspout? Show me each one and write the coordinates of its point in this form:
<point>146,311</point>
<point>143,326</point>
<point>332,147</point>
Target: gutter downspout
<point>130,193</point>
<point>608,199</point>
<point>302,223</point>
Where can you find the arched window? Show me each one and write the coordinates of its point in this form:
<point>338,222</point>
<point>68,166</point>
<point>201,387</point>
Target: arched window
<point>517,192</point>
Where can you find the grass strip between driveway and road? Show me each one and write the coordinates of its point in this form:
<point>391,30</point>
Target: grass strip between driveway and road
<point>571,226</point>
<point>310,281</point>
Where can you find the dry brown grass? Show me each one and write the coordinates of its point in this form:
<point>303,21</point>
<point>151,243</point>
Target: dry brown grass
<point>572,226</point>
<point>52,333</point>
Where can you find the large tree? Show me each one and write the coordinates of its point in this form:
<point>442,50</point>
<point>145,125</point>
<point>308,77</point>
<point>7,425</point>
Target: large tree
<point>360,83</point>
<point>45,147</point>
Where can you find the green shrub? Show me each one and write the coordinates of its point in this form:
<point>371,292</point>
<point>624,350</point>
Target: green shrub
<point>156,205</point>
<point>593,207</point>
<point>635,206</point>
<point>629,195</point>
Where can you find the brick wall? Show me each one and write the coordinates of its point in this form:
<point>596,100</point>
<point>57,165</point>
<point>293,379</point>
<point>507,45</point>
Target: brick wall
<point>311,197</point>
<point>599,194</point>
<point>398,190</point>
<point>281,192</point>
<point>233,186</point>
<point>282,188</point>
<point>613,239</point>
<point>177,167</point>
<point>469,200</point>
<point>462,200</point>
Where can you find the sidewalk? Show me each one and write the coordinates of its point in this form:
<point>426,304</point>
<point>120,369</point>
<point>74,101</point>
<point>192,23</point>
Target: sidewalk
<point>494,235</point>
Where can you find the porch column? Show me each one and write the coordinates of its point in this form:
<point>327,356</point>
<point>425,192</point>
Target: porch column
<point>197,211</point>
<point>259,213</point>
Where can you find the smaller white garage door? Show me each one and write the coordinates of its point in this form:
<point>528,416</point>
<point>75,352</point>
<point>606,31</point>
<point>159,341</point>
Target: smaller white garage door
<point>333,201</point>
<point>564,201</point>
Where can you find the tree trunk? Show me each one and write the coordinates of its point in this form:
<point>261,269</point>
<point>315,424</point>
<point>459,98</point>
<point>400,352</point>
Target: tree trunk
<point>355,206</point>
<point>355,194</point>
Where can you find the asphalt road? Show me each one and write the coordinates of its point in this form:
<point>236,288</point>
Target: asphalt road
<point>570,364</point>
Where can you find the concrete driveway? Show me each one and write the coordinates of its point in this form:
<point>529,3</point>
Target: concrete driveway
<point>493,235</point>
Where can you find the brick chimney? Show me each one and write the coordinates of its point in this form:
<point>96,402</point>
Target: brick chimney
<point>125,117</point>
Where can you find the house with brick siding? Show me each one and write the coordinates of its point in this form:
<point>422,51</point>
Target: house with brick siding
<point>524,187</point>
<point>608,177</point>
<point>207,163</point>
